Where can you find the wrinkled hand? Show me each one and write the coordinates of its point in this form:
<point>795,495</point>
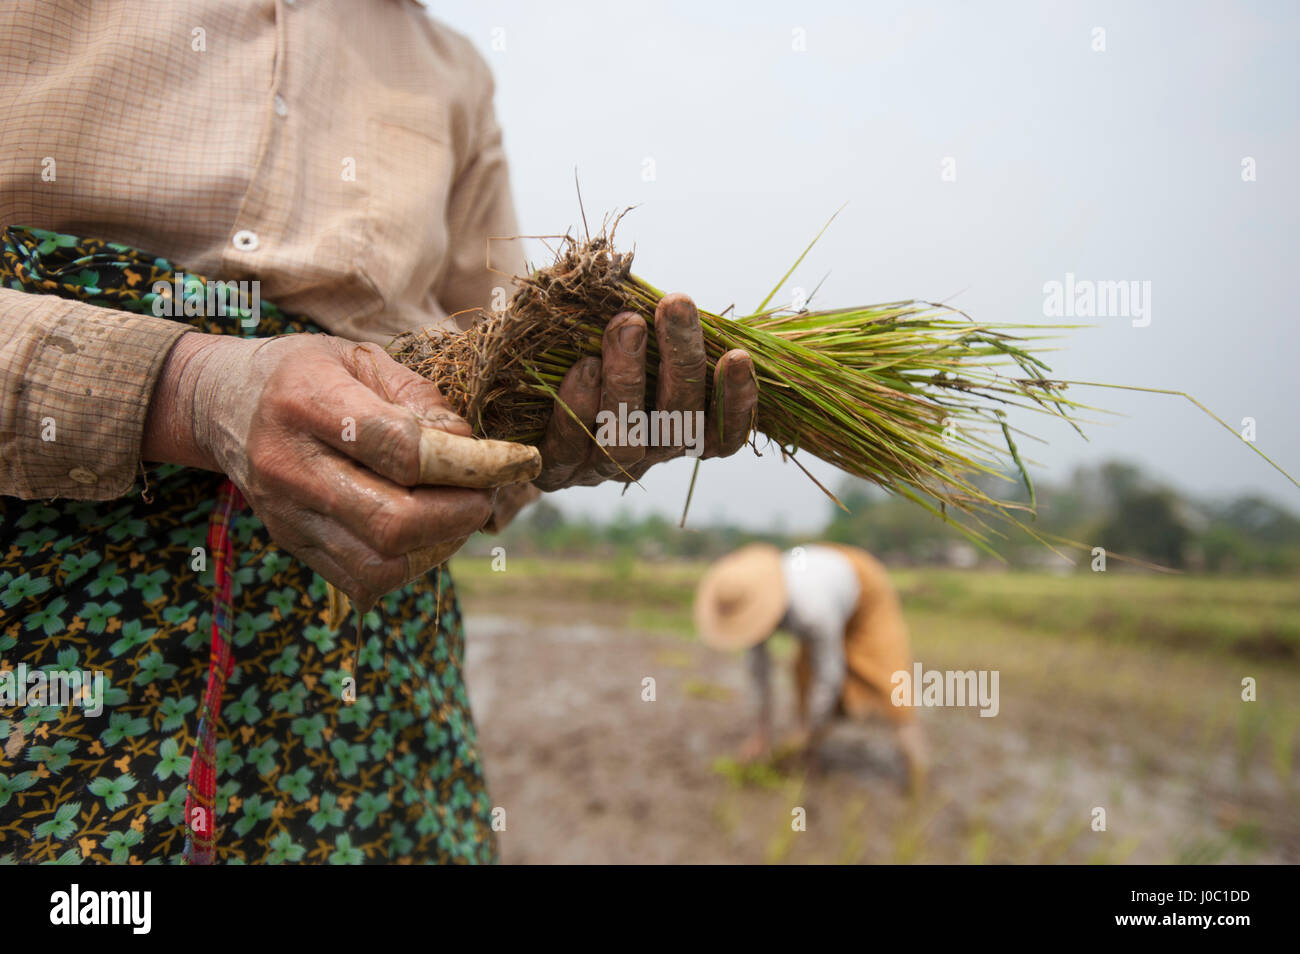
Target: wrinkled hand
<point>330,442</point>
<point>570,457</point>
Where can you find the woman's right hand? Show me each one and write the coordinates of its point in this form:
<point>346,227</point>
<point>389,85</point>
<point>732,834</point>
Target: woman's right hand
<point>333,444</point>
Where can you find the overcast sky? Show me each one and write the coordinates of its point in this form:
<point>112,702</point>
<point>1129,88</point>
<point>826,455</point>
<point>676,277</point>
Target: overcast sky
<point>1124,164</point>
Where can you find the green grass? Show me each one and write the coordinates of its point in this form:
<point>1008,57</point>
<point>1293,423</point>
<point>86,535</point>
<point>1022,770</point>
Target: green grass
<point>707,691</point>
<point>1253,618</point>
<point>640,583</point>
<point>1256,618</point>
<point>759,773</point>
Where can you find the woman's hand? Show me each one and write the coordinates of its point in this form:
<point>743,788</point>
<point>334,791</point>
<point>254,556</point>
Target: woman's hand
<point>330,442</point>
<point>570,457</point>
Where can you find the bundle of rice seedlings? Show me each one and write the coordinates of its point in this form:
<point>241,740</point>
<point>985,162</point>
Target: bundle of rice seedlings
<point>909,395</point>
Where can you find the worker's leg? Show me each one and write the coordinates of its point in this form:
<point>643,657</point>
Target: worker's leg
<point>812,752</point>
<point>803,674</point>
<point>912,742</point>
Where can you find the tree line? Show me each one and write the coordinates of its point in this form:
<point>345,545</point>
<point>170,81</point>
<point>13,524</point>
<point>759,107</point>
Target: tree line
<point>1112,505</point>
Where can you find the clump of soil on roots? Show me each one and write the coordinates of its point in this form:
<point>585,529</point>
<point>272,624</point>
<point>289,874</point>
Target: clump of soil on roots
<point>495,375</point>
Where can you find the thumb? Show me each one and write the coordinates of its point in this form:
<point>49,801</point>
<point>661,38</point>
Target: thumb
<point>449,456</point>
<point>452,460</point>
<point>376,369</point>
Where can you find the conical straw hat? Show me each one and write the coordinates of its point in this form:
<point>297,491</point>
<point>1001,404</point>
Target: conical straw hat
<point>741,599</point>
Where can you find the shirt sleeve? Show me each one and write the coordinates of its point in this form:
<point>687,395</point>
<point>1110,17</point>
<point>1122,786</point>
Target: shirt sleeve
<point>480,220</point>
<point>75,386</point>
<point>480,212</point>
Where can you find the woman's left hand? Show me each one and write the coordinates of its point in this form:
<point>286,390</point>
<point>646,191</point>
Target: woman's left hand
<point>616,382</point>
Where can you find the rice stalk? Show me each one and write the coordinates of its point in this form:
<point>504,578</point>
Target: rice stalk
<point>910,395</point>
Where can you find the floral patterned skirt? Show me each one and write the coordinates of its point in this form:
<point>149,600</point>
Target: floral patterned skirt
<point>120,587</point>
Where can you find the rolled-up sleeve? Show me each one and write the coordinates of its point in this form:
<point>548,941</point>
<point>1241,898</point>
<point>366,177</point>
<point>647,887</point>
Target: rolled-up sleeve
<point>75,386</point>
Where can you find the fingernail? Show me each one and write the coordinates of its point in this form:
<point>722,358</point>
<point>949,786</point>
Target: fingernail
<point>590,372</point>
<point>632,337</point>
<point>737,368</point>
<point>681,310</point>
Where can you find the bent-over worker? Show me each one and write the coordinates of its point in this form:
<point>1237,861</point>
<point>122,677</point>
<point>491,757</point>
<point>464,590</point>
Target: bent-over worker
<point>838,603</point>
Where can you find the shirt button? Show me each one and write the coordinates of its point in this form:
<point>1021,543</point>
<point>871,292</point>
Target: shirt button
<point>246,240</point>
<point>281,107</point>
<point>83,476</point>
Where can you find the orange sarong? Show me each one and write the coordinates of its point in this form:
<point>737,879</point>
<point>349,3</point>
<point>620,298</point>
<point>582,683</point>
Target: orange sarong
<point>875,645</point>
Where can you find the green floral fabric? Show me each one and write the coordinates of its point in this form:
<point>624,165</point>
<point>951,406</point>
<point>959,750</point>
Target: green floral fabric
<point>307,772</point>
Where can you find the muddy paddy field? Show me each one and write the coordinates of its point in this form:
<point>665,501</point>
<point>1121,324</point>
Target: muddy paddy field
<point>1121,694</point>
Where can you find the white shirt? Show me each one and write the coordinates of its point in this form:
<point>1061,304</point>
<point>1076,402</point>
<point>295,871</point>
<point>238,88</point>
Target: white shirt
<point>822,594</point>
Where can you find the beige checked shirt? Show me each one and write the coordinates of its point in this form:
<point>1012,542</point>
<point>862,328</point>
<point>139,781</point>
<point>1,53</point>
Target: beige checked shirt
<point>344,153</point>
